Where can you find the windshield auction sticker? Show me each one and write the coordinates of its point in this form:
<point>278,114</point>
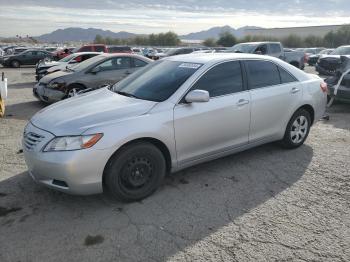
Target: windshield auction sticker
<point>190,65</point>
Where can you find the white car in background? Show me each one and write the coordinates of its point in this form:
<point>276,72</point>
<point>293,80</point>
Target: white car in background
<point>45,67</point>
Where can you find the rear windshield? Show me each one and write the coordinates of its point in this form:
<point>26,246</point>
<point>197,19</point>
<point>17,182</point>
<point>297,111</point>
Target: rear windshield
<point>157,81</point>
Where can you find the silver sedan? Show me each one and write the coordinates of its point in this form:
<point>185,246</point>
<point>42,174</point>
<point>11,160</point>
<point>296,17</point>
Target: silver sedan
<point>172,114</point>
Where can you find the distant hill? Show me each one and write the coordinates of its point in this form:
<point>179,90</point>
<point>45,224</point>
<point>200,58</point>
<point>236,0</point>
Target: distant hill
<point>81,34</point>
<point>214,32</point>
<point>75,34</point>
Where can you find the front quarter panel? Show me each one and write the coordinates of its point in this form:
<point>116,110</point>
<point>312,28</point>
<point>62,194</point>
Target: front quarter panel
<point>157,124</point>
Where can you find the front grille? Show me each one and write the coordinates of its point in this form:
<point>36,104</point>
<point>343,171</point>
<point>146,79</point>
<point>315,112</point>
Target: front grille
<point>31,140</point>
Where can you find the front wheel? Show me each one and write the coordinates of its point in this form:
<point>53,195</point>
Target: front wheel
<point>297,130</point>
<point>15,64</point>
<point>135,172</point>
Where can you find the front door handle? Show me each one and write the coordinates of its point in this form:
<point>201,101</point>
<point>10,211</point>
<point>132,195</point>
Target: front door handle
<point>128,72</point>
<point>242,102</point>
<point>295,90</point>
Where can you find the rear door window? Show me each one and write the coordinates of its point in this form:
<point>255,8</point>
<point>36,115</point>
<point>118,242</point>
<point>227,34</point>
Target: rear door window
<point>139,63</point>
<point>115,63</point>
<point>223,79</point>
<point>262,74</point>
<point>285,76</point>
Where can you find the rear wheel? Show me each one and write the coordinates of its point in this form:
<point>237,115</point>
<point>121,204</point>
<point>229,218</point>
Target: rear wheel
<point>297,129</point>
<point>15,64</point>
<point>135,172</point>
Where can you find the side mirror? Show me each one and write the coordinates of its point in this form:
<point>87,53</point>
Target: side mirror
<point>197,96</point>
<point>258,52</point>
<point>73,62</point>
<point>95,70</point>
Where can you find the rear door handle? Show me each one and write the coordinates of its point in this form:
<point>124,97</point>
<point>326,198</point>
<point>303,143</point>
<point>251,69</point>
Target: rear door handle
<point>242,102</point>
<point>295,90</point>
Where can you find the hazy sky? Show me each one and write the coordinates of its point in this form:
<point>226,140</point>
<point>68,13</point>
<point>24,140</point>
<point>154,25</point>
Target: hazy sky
<point>35,17</point>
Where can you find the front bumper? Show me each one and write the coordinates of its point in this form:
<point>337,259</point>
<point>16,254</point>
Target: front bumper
<point>75,172</point>
<point>47,95</point>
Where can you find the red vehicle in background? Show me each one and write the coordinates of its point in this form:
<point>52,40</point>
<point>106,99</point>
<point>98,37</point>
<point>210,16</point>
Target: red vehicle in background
<point>58,55</point>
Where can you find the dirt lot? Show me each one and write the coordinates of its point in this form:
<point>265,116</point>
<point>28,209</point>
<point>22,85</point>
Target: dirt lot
<point>265,204</point>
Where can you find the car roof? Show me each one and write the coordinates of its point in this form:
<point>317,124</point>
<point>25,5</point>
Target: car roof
<point>203,58</point>
<point>258,43</point>
<point>87,53</point>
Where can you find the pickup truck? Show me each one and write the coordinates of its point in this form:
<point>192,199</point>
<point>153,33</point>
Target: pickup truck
<point>274,49</point>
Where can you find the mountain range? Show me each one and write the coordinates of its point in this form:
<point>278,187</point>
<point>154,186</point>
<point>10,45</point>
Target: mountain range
<point>76,34</point>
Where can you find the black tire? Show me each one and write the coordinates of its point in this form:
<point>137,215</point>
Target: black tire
<point>299,135</point>
<point>135,172</point>
<point>15,64</point>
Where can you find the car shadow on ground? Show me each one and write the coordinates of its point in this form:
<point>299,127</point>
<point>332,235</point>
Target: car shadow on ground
<point>339,112</point>
<point>22,85</point>
<point>191,205</point>
<point>23,111</point>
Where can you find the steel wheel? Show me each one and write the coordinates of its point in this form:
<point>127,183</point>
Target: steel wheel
<point>135,171</point>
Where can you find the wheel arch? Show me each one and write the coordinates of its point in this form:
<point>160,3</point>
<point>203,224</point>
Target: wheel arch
<point>154,141</point>
<point>309,109</point>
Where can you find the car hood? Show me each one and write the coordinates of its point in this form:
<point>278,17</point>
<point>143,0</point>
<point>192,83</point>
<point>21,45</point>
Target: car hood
<point>75,115</point>
<point>48,63</point>
<point>60,66</point>
<point>48,78</point>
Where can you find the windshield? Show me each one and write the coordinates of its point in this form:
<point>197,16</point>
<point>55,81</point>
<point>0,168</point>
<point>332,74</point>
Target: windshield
<point>67,58</point>
<point>157,81</point>
<point>343,50</point>
<point>85,64</point>
<point>244,48</point>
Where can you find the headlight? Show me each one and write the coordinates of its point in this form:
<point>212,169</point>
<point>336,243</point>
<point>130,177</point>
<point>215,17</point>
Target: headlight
<point>69,143</point>
<point>56,85</point>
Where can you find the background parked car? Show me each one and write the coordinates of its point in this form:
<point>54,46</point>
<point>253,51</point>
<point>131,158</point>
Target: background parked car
<point>137,51</point>
<point>178,51</point>
<point>101,70</point>
<point>29,57</point>
<point>119,49</point>
<point>47,67</point>
<point>328,64</point>
<point>274,49</point>
<point>314,58</point>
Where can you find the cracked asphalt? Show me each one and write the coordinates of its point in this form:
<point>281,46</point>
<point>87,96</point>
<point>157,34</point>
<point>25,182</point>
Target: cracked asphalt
<point>265,204</point>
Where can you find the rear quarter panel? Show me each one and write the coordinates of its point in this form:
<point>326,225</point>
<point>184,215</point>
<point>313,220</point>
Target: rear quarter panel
<point>314,96</point>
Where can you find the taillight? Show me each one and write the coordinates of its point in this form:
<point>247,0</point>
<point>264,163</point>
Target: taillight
<point>324,87</point>
<point>306,58</point>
